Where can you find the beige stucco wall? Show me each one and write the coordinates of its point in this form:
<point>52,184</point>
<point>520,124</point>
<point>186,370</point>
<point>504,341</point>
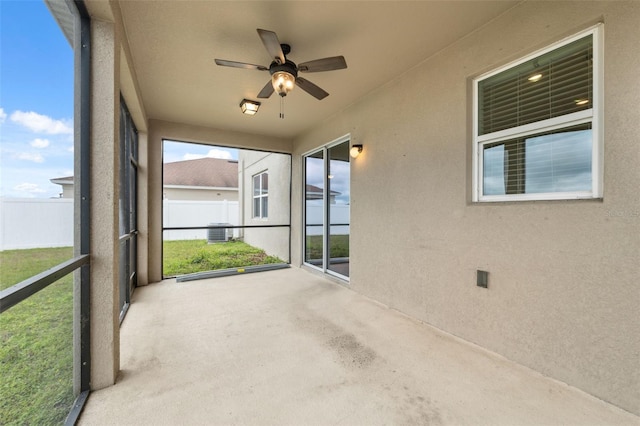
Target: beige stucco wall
<point>274,241</point>
<point>104,231</point>
<point>563,292</point>
<point>110,78</point>
<point>143,218</point>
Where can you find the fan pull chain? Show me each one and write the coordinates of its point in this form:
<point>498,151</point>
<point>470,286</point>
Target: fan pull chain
<point>282,107</point>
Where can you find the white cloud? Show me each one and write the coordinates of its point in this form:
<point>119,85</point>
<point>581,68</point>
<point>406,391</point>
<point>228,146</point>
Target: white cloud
<point>192,156</point>
<point>3,115</point>
<point>40,143</point>
<point>29,156</point>
<point>31,188</point>
<point>213,153</point>
<point>41,123</point>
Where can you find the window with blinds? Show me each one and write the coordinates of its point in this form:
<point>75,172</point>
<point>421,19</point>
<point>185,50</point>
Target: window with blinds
<point>535,130</point>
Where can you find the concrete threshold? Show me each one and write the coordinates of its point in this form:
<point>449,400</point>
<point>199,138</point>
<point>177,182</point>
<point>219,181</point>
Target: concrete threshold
<point>290,348</point>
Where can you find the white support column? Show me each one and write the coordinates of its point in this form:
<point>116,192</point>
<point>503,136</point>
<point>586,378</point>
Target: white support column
<point>105,122</point>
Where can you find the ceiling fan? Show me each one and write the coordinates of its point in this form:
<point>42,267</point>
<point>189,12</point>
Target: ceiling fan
<point>284,73</point>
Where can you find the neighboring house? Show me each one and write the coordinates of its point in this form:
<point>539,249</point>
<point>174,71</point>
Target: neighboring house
<point>265,196</point>
<point>204,179</point>
<point>210,179</point>
<point>315,193</point>
<point>265,200</point>
<point>67,186</point>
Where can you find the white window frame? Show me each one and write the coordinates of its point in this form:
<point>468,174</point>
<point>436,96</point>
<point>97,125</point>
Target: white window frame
<point>593,116</point>
<point>260,196</point>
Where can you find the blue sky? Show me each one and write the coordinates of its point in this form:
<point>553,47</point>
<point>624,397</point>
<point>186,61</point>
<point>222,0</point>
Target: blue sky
<point>36,101</point>
<point>36,104</point>
<point>180,151</point>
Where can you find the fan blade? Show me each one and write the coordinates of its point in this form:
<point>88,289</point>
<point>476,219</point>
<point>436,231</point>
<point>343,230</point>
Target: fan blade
<point>272,44</point>
<point>266,91</point>
<point>325,64</point>
<point>244,65</point>
<point>311,88</point>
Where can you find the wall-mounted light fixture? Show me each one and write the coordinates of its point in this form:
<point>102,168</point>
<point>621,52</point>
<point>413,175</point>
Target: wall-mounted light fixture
<point>249,107</point>
<point>355,150</point>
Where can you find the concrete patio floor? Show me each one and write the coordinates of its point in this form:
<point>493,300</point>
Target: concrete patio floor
<point>287,347</point>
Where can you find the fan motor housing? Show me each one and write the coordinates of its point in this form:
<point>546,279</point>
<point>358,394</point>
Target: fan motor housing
<point>288,66</point>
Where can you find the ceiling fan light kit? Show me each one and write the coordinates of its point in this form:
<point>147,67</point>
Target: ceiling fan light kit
<point>283,79</point>
<point>284,73</point>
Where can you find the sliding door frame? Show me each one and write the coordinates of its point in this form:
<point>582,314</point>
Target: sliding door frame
<point>326,199</point>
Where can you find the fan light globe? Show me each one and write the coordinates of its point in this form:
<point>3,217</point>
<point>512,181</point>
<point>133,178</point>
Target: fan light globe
<point>283,82</point>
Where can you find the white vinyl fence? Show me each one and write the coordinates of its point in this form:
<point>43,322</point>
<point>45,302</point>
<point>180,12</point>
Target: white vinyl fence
<point>39,223</point>
<point>339,214</point>
<point>35,223</point>
<point>198,213</point>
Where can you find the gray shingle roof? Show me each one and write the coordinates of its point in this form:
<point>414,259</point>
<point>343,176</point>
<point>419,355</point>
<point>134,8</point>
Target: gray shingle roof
<point>202,172</point>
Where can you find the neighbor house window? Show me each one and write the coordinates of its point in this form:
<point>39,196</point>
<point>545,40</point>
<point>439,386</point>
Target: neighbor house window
<point>537,125</point>
<point>261,195</point>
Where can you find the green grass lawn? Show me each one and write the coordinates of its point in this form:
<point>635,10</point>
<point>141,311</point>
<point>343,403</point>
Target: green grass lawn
<point>190,256</point>
<point>36,336</point>
<point>36,342</point>
<point>339,246</point>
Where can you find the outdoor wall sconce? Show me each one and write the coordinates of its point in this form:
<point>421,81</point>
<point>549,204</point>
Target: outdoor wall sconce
<point>249,107</point>
<point>355,150</point>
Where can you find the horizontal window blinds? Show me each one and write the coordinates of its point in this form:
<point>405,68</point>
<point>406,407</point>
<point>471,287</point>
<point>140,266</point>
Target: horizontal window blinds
<point>554,84</point>
<point>545,162</point>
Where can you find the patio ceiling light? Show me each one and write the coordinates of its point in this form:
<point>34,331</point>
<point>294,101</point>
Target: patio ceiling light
<point>249,107</point>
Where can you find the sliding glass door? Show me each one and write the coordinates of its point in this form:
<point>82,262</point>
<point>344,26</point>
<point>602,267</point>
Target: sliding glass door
<point>314,209</point>
<point>327,199</point>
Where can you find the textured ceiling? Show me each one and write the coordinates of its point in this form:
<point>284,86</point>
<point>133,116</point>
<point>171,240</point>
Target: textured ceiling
<point>173,45</point>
